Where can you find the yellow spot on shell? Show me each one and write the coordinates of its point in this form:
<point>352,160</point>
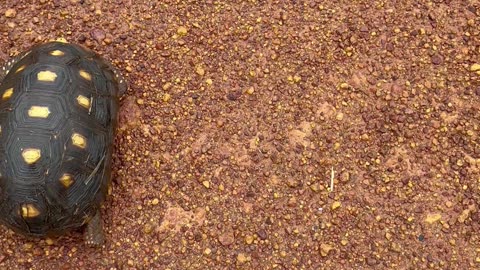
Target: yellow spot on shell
<point>31,155</point>
<point>57,53</point>
<point>39,112</point>
<point>46,76</point>
<point>83,101</point>
<point>66,180</point>
<point>79,140</point>
<point>29,211</point>
<point>61,39</point>
<point>85,75</point>
<point>20,69</point>
<point>8,93</point>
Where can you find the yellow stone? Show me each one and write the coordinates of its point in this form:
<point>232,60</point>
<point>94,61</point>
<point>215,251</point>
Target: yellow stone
<point>166,97</point>
<point>206,184</point>
<point>339,116</point>
<point>46,76</point>
<point>242,258</point>
<point>10,13</point>
<point>475,67</point>
<point>155,201</point>
<point>166,86</point>
<point>57,53</point>
<point>200,70</point>
<point>463,216</point>
<point>79,140</point>
<point>66,180</point>
<point>85,75</point>
<point>31,155</point>
<point>336,205</point>
<point>84,101</point>
<point>29,211</point>
<point>8,93</point>
<point>249,239</point>
<point>325,249</point>
<point>39,112</point>
<point>432,218</point>
<point>182,31</point>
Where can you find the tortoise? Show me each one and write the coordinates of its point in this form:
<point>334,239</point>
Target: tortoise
<point>58,114</point>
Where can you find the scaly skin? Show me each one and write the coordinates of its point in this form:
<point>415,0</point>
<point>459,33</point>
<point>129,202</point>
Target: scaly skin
<point>94,236</point>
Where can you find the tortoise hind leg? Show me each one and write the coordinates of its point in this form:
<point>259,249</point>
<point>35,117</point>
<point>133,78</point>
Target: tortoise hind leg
<point>94,236</point>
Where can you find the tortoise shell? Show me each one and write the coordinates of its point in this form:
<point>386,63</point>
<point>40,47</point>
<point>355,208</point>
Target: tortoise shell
<point>58,113</point>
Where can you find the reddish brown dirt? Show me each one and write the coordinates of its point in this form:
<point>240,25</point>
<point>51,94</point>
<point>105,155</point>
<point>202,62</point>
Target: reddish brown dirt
<point>238,111</point>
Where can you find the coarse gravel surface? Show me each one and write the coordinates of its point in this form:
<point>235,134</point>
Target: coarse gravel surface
<point>238,112</point>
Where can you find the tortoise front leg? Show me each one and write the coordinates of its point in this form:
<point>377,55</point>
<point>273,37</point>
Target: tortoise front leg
<point>94,236</point>
<point>5,67</point>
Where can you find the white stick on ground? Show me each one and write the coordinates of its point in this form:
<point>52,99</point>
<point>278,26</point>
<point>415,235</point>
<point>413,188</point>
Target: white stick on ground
<point>332,176</point>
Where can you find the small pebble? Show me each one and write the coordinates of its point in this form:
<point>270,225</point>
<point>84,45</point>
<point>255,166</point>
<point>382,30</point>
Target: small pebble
<point>10,13</point>
<point>166,86</point>
<point>249,239</point>
<point>166,97</point>
<point>464,216</point>
<point>148,228</point>
<point>49,241</point>
<point>182,31</point>
<point>475,67</point>
<point>242,258</point>
<point>98,34</point>
<point>200,71</point>
<point>325,249</point>
<point>336,205</point>
<point>437,59</point>
<point>206,184</point>
<point>28,246</point>
<point>432,218</point>
<point>226,238</point>
<point>262,234</point>
<point>339,116</point>
<point>372,261</point>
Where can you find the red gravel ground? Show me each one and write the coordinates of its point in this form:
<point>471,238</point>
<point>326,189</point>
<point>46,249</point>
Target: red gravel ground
<point>237,113</point>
